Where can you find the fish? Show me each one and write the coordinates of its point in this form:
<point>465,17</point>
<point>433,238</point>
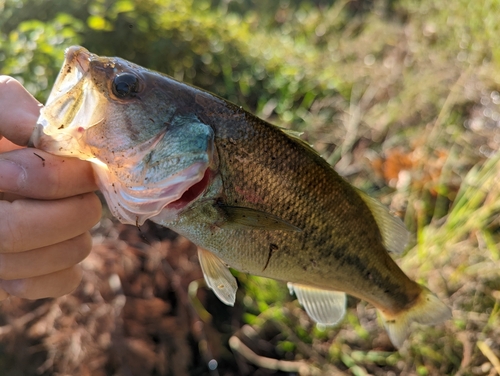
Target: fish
<point>251,195</point>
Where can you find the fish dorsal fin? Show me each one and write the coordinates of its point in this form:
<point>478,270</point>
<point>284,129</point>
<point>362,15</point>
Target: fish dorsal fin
<point>237,217</point>
<point>394,233</point>
<point>218,276</point>
<point>292,133</point>
<point>296,136</point>
<point>323,306</point>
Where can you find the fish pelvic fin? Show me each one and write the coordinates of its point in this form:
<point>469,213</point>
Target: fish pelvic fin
<point>323,306</point>
<point>218,277</point>
<point>427,310</point>
<point>395,236</point>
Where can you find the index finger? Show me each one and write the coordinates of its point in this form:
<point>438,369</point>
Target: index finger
<point>19,109</point>
<point>36,174</point>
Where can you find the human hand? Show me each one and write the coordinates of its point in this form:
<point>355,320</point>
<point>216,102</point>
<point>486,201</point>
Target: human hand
<point>46,206</point>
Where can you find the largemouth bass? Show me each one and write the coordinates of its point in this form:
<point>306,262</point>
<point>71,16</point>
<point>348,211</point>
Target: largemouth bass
<point>250,195</point>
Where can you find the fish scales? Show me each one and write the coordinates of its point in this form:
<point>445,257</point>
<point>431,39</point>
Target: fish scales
<point>249,194</point>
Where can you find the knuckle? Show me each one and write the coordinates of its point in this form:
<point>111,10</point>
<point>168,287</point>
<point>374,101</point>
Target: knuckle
<point>8,228</point>
<point>83,246</point>
<point>87,238</point>
<point>94,208</point>
<point>6,243</point>
<point>53,183</point>
<point>4,267</point>
<point>73,277</point>
<point>9,85</point>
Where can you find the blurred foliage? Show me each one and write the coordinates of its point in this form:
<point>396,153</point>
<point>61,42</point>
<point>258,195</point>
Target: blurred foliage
<point>402,95</point>
<point>285,59</point>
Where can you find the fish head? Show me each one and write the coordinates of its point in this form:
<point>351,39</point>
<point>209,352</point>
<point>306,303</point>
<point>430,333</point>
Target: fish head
<point>149,157</point>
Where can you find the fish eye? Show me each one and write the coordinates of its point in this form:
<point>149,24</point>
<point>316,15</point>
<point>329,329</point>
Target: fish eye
<point>125,85</point>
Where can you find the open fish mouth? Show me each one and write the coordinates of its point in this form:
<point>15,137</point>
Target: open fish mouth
<point>69,108</point>
<point>76,66</point>
<point>140,168</point>
<point>134,205</point>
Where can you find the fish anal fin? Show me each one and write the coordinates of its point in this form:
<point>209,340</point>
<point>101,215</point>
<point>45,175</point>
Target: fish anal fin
<point>394,233</point>
<point>218,276</point>
<point>427,310</point>
<point>326,307</point>
<point>237,217</point>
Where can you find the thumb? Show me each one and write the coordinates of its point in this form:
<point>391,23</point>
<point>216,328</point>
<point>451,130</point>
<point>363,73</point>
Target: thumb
<point>19,109</point>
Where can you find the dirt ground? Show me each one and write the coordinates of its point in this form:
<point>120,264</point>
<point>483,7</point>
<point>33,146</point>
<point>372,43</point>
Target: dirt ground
<point>131,315</point>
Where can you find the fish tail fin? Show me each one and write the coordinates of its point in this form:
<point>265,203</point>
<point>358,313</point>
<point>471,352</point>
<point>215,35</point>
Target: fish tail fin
<point>427,310</point>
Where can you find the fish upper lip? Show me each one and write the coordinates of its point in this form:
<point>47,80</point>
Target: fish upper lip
<point>76,66</point>
<point>80,55</point>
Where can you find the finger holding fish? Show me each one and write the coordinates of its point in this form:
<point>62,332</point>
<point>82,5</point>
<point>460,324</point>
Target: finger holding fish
<point>19,111</point>
<point>39,175</point>
<point>33,255</point>
<point>46,209</point>
<point>27,264</point>
<point>71,217</point>
<point>45,286</point>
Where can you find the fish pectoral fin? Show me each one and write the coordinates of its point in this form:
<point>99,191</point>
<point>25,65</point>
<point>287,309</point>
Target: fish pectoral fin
<point>218,276</point>
<point>323,306</point>
<point>394,233</point>
<point>237,217</point>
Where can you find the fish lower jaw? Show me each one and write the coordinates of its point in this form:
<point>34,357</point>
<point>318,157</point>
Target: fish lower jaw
<point>172,209</point>
<point>190,194</point>
<point>134,204</point>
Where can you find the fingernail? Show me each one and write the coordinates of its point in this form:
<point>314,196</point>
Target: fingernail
<point>12,176</point>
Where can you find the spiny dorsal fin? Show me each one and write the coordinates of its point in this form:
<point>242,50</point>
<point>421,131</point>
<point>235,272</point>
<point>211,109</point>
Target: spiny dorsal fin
<point>292,133</point>
<point>394,233</point>
<point>218,276</point>
<point>323,306</point>
<point>296,136</point>
<point>237,217</point>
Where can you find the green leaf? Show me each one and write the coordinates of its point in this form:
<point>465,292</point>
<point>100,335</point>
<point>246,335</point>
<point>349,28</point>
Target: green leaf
<point>123,6</point>
<point>99,23</point>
